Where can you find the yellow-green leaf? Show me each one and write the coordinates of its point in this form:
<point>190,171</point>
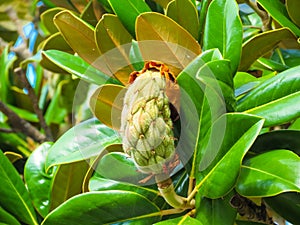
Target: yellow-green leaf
<point>293,7</point>
<point>113,41</point>
<point>184,12</point>
<point>106,104</point>
<point>260,44</point>
<point>161,38</point>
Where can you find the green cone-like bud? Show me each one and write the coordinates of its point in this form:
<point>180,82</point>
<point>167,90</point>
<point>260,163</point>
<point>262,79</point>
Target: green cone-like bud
<point>146,126</point>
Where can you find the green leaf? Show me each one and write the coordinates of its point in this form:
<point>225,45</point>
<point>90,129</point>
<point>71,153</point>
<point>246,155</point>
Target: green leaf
<point>135,56</point>
<point>124,168</point>
<point>55,114</point>
<point>83,141</point>
<point>261,44</point>
<point>77,66</point>
<point>286,205</point>
<point>223,30</point>
<point>7,219</point>
<point>114,41</point>
<point>162,39</point>
<point>182,220</point>
<point>215,211</point>
<point>201,101</point>
<point>67,182</point>
<point>14,197</point>
<point>101,207</point>
<point>292,6</point>
<point>275,98</point>
<point>101,184</point>
<point>278,167</point>
<point>233,134</point>
<point>279,13</point>
<point>278,139</point>
<point>74,29</point>
<point>37,180</point>
<point>128,11</point>
<point>184,12</point>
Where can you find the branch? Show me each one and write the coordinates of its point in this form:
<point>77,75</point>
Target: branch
<point>266,19</point>
<point>5,130</point>
<point>20,125</point>
<point>20,72</point>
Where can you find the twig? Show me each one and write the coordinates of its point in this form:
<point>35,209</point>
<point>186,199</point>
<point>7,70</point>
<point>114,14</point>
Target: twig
<point>5,130</point>
<point>250,210</point>
<point>20,125</point>
<point>20,72</point>
<point>266,19</point>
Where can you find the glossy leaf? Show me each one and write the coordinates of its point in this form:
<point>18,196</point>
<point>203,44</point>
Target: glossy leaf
<point>261,44</point>
<point>74,29</point>
<point>223,30</point>
<point>92,12</point>
<point>215,211</point>
<point>135,56</point>
<point>101,184</point>
<point>292,6</point>
<point>113,40</point>
<point>182,220</point>
<point>233,136</point>
<point>279,13</point>
<point>278,139</point>
<point>47,19</point>
<point>14,197</point>
<point>77,66</point>
<point>286,205</point>
<point>101,207</point>
<point>37,180</point>
<point>278,167</point>
<point>128,11</point>
<point>185,14</point>
<point>7,219</point>
<point>274,99</point>
<point>163,3</point>
<point>57,42</point>
<point>160,38</point>
<point>67,182</point>
<point>106,104</point>
<point>201,102</point>
<point>118,166</point>
<point>83,141</point>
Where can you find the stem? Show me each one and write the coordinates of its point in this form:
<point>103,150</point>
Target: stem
<point>34,99</point>
<point>266,20</point>
<point>167,190</point>
<point>19,124</point>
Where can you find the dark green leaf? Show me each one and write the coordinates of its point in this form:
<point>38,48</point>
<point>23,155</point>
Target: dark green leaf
<point>215,211</point>
<point>7,219</point>
<point>269,174</point>
<point>101,207</point>
<point>37,180</point>
<point>275,98</point>
<point>260,45</point>
<point>279,139</point>
<point>233,134</point>
<point>85,140</point>
<point>279,13</point>
<point>286,205</point>
<point>14,197</point>
<point>128,11</point>
<point>47,19</point>
<point>223,30</point>
<point>184,12</point>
